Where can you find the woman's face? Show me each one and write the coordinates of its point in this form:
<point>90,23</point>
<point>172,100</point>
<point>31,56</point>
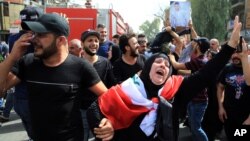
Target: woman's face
<point>159,71</point>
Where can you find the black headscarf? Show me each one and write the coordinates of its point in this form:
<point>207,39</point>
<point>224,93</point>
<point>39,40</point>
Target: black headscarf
<point>151,88</point>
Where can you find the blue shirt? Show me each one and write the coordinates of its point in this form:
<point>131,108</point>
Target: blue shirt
<point>14,37</point>
<point>104,48</point>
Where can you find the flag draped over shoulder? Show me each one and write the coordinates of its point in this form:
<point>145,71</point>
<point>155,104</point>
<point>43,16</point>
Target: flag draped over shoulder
<point>123,103</point>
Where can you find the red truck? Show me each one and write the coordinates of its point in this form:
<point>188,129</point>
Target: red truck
<point>81,19</point>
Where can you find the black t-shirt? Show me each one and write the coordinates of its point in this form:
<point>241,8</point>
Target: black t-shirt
<point>194,65</point>
<point>123,71</point>
<point>105,72</point>
<point>237,93</point>
<point>54,96</point>
<point>176,56</point>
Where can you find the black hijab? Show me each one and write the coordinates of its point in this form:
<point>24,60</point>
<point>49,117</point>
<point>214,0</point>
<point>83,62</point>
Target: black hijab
<point>151,88</point>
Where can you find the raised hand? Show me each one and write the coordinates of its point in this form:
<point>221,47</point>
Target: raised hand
<point>21,45</point>
<point>235,36</point>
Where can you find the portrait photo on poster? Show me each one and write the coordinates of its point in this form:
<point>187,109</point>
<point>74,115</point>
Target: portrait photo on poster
<point>180,14</point>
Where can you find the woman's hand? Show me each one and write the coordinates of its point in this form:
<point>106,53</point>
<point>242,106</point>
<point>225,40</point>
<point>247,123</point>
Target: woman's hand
<point>105,130</point>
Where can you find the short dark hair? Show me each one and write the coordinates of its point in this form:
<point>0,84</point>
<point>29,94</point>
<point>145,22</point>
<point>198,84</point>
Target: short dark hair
<point>141,35</point>
<point>123,41</point>
<point>101,26</point>
<point>117,36</point>
<point>176,3</point>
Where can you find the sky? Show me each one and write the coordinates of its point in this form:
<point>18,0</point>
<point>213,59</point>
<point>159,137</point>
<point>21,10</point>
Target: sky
<point>134,12</point>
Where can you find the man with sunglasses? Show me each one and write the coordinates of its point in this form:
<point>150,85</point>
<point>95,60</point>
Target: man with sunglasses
<point>143,42</point>
<point>55,79</point>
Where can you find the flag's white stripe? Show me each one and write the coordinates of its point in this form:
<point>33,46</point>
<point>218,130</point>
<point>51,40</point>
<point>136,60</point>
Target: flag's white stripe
<point>134,89</point>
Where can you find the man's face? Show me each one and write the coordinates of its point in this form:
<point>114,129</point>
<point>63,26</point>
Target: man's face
<point>45,45</point>
<point>103,34</point>
<point>177,7</point>
<point>74,49</point>
<point>91,45</point>
<point>115,41</point>
<point>143,45</point>
<point>214,46</point>
<point>236,60</point>
<point>159,71</point>
<point>134,46</point>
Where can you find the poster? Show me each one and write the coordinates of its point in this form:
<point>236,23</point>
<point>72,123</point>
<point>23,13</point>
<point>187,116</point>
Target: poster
<point>180,14</point>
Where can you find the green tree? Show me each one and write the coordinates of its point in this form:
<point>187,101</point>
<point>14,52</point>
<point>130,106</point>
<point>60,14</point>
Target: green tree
<point>150,29</point>
<point>163,15</point>
<point>210,17</point>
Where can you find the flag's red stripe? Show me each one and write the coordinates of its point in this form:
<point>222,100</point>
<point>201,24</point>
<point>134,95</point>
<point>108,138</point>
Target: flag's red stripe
<point>118,108</point>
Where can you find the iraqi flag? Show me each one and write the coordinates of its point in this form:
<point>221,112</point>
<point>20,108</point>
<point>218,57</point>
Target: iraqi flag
<point>123,103</point>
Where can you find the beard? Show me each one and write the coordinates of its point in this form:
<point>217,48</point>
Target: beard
<point>133,53</point>
<point>87,50</point>
<point>48,51</point>
<point>236,61</point>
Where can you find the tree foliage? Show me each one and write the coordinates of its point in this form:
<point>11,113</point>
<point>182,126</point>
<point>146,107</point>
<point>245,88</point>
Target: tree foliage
<point>150,29</point>
<point>162,14</point>
<point>210,17</point>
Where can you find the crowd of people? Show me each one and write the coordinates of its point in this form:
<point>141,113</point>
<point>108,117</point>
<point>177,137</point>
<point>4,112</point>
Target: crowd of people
<point>92,87</point>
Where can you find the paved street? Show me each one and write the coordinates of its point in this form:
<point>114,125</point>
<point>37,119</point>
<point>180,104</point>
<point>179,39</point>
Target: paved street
<point>13,131</point>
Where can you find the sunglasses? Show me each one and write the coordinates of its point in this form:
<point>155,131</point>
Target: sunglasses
<point>141,41</point>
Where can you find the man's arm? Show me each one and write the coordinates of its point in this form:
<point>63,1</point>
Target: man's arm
<point>179,44</point>
<point>5,80</point>
<point>220,96</point>
<point>99,88</point>
<point>177,65</point>
<point>17,52</point>
<point>105,130</point>
<point>184,72</point>
<point>247,121</point>
<point>246,70</point>
<point>11,81</point>
<point>245,63</point>
<point>194,34</point>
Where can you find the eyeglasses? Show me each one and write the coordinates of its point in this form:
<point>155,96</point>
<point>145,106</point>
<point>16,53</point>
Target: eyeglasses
<point>212,44</point>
